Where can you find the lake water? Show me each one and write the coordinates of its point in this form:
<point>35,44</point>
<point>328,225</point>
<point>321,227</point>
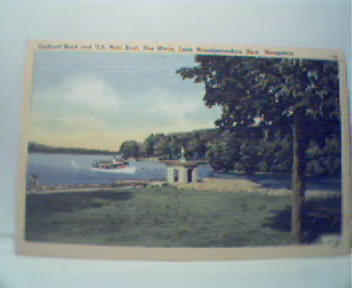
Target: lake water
<point>69,169</point>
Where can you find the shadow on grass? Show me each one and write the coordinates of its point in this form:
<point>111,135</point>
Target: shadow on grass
<point>281,181</point>
<point>320,217</point>
<point>70,201</point>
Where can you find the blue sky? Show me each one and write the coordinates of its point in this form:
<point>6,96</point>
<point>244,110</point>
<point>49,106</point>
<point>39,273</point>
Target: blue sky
<point>99,99</point>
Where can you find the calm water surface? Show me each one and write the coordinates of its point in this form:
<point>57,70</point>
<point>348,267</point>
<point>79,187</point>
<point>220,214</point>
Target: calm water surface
<point>60,169</point>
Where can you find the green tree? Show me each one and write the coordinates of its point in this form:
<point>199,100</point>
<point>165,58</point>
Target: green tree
<point>196,146</point>
<point>162,147</point>
<point>131,148</point>
<point>149,144</point>
<point>223,152</point>
<point>275,154</point>
<point>326,161</point>
<point>292,96</point>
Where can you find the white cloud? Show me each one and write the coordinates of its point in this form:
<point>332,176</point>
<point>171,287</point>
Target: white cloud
<point>182,112</point>
<point>85,92</point>
<point>86,106</point>
<point>176,109</point>
<point>170,104</point>
<point>88,91</point>
<point>75,105</point>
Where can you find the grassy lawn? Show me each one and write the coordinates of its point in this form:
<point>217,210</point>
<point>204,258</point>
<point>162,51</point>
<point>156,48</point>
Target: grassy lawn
<point>159,216</point>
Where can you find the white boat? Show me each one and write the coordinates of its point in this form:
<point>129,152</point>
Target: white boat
<point>116,165</point>
<point>126,170</point>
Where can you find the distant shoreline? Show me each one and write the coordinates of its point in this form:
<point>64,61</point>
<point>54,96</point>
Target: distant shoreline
<point>73,152</point>
<point>34,147</point>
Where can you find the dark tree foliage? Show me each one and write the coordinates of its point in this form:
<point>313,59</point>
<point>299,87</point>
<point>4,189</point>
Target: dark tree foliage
<point>131,148</point>
<point>149,144</point>
<point>269,91</point>
<point>292,97</point>
<point>162,147</point>
<point>275,155</point>
<point>325,161</point>
<point>253,151</point>
<point>223,152</point>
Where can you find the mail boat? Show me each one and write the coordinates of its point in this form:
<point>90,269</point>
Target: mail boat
<point>115,165</point>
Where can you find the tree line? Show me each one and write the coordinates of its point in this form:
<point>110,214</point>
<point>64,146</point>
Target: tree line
<point>34,147</point>
<point>257,150</point>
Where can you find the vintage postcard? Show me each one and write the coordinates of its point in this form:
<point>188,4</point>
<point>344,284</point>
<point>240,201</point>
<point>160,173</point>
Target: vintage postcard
<point>184,152</point>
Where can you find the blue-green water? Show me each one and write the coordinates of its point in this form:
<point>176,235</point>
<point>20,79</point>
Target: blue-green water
<point>69,169</point>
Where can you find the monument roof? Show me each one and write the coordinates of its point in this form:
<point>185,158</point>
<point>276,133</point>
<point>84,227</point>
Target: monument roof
<point>180,163</point>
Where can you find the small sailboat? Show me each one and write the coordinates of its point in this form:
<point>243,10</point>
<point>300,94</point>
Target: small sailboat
<point>115,165</point>
<point>74,164</point>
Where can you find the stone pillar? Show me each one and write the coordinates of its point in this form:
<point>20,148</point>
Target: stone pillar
<point>170,174</point>
<point>195,174</point>
<point>183,175</point>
